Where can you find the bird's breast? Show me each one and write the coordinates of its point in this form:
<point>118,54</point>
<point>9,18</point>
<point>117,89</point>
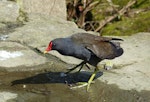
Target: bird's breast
<point>76,51</point>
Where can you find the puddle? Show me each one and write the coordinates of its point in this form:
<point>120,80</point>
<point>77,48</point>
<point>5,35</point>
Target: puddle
<point>49,86</point>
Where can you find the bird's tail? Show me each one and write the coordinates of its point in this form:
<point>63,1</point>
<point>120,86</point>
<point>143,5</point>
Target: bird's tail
<point>117,39</point>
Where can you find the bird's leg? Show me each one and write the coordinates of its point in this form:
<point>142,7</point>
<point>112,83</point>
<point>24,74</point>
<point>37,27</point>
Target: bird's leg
<point>91,78</point>
<point>81,64</point>
<point>87,66</point>
<point>81,67</point>
<point>82,84</point>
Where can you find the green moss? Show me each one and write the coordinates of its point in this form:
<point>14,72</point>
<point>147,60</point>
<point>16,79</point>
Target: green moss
<point>103,10</point>
<point>142,4</point>
<point>121,3</point>
<point>142,22</point>
<point>139,3</point>
<point>22,14</point>
<point>129,26</point>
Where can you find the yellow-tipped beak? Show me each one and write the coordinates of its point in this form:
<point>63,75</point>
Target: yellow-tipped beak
<point>45,52</point>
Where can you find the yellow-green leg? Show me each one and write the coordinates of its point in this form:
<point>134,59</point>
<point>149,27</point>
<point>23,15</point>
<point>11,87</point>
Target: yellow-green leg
<point>82,84</point>
<point>91,79</point>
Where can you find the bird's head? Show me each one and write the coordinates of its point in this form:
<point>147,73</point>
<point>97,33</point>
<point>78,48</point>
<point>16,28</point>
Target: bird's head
<point>49,48</point>
<point>57,44</point>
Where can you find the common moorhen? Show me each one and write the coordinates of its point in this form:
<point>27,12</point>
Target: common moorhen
<point>90,48</point>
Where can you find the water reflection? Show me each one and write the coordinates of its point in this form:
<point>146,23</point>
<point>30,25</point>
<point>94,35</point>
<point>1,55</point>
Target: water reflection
<point>56,77</point>
<point>37,86</point>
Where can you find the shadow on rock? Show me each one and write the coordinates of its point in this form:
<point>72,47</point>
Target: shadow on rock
<point>57,77</point>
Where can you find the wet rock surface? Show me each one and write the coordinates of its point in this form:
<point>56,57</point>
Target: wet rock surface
<point>36,86</point>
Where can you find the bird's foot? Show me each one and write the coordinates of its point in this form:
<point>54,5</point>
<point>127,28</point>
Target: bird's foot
<point>83,84</point>
<point>89,81</point>
<point>108,65</point>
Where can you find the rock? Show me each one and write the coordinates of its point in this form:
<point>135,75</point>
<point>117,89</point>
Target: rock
<point>5,96</point>
<point>2,28</point>
<point>38,32</point>
<point>13,54</point>
<point>55,8</point>
<point>41,29</point>
<point>9,11</point>
<point>132,68</point>
<point>42,26</point>
<point>2,25</point>
<point>3,37</point>
<point>67,59</point>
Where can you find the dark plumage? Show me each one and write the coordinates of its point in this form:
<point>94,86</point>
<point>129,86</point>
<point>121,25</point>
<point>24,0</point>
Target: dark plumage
<point>90,48</point>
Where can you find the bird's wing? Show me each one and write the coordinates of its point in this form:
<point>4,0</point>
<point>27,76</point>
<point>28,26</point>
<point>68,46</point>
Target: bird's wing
<point>103,50</point>
<point>89,38</point>
<point>100,46</point>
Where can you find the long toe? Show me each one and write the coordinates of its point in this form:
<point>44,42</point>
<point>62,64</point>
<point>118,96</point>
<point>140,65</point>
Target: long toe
<point>82,84</point>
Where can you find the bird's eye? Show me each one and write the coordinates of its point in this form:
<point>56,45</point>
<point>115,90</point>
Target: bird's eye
<point>54,44</point>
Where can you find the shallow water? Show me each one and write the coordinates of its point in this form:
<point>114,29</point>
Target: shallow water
<point>50,86</point>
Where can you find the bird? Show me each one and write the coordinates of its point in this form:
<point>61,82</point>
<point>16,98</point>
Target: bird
<point>90,48</point>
